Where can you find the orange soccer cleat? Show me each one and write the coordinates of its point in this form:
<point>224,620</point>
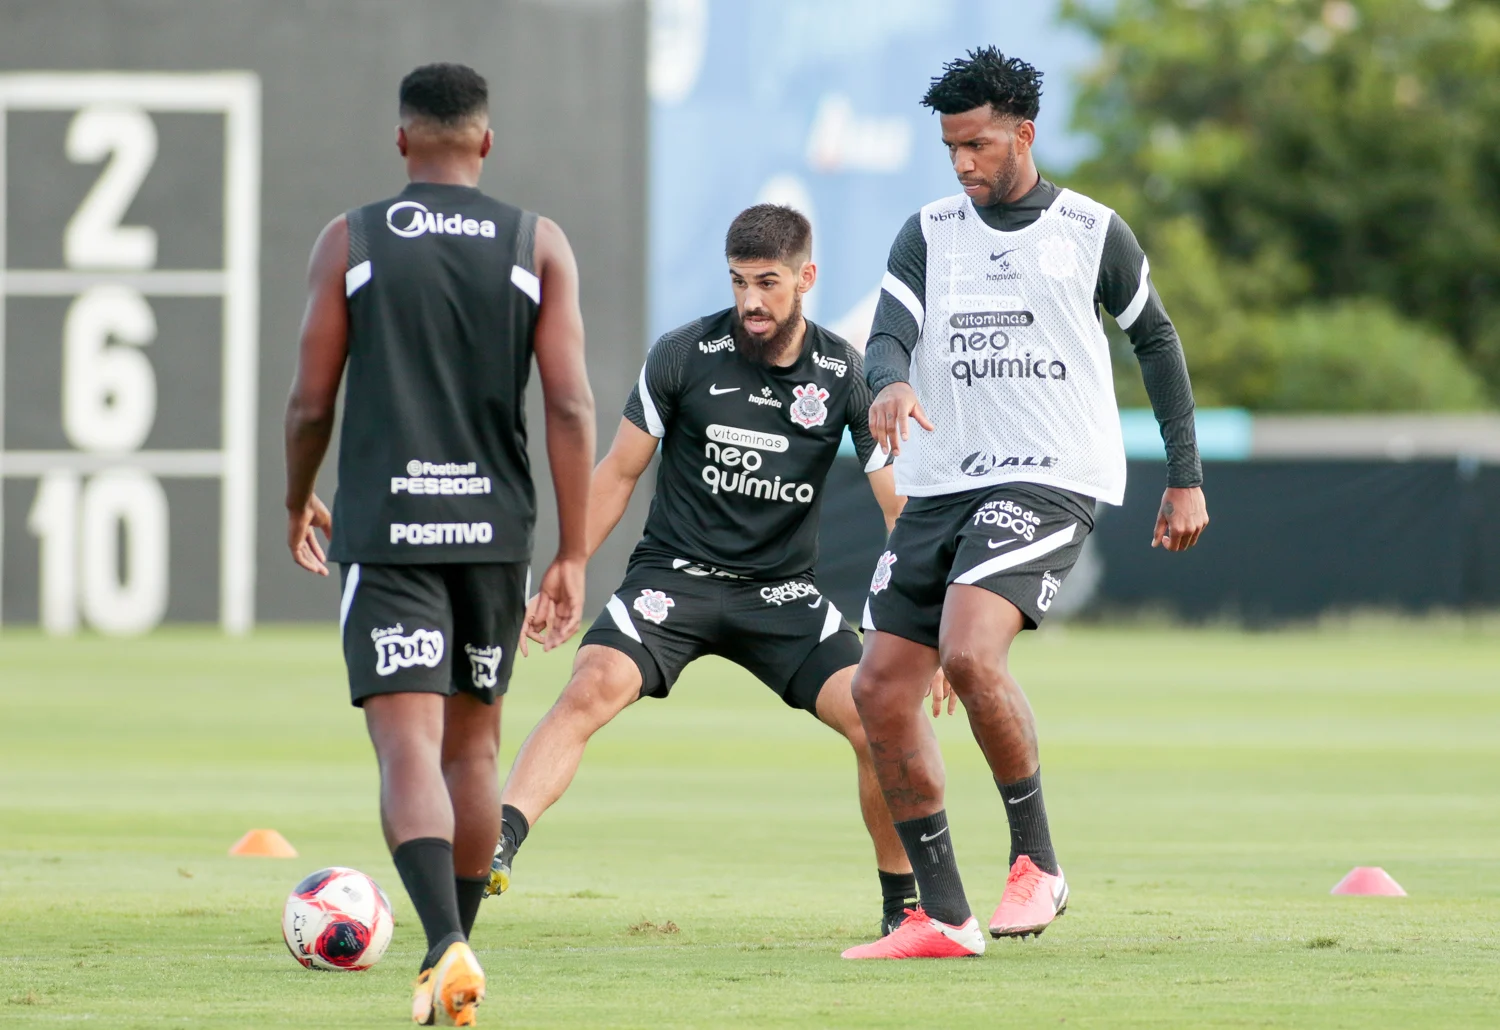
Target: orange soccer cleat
<point>1032,899</point>
<point>921,936</point>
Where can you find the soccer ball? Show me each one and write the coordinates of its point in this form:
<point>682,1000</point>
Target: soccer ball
<point>337,919</point>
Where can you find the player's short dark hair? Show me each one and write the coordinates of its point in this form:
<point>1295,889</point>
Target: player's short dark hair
<point>769,232</point>
<point>448,94</point>
<point>986,76</point>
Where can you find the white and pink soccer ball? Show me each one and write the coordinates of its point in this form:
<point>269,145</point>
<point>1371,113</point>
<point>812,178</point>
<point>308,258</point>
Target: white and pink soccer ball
<point>337,920</point>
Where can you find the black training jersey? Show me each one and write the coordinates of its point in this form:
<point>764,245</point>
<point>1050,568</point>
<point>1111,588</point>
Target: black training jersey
<point>745,447</point>
<point>443,296</point>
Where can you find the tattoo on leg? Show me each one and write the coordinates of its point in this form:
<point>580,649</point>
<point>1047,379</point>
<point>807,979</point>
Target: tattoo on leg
<point>897,764</point>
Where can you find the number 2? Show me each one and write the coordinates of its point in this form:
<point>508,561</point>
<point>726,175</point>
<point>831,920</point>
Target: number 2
<point>94,237</point>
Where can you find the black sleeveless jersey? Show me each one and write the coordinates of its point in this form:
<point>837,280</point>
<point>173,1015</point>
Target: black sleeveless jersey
<point>443,297</point>
<point>746,448</point>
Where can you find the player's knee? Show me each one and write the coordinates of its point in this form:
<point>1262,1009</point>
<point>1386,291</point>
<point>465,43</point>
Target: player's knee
<point>591,699</point>
<point>974,672</point>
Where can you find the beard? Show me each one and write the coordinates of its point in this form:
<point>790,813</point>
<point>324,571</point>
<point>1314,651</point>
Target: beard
<point>765,349</point>
<point>1005,179</point>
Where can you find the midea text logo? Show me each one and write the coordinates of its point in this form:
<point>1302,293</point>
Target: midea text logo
<point>425,221</point>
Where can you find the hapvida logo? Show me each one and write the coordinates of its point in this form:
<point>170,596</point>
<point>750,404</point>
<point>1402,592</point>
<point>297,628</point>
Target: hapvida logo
<point>420,221</point>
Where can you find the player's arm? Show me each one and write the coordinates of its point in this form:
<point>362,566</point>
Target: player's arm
<point>893,337</point>
<point>554,614</point>
<point>876,463</point>
<point>615,478</point>
<point>322,352</point>
<point>1125,290</point>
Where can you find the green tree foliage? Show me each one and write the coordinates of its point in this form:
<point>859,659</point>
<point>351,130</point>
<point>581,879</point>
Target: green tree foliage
<point>1282,158</point>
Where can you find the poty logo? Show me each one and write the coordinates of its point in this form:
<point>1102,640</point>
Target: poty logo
<point>425,221</point>
<point>792,590</point>
<point>834,365</point>
<point>714,346</point>
<point>394,651</point>
<point>1050,586</point>
<point>484,665</point>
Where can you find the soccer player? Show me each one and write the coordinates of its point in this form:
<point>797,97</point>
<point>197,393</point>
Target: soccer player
<point>988,336</point>
<point>436,300</point>
<point>749,406</point>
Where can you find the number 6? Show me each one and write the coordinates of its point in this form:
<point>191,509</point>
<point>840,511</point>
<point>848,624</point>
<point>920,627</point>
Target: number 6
<point>109,391</point>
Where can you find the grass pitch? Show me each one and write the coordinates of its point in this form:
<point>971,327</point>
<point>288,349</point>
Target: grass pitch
<point>1205,788</point>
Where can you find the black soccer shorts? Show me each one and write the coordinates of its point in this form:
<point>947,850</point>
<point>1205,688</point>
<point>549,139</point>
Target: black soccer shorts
<point>436,629</point>
<point>784,631</point>
<point>1007,539</point>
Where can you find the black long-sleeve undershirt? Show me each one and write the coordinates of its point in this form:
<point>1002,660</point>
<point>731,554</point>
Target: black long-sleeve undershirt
<point>1122,274</point>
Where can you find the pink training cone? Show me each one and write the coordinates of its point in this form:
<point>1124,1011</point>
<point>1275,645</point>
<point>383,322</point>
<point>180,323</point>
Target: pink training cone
<point>1369,879</point>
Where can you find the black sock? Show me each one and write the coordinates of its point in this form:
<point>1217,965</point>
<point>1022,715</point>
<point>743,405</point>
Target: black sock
<point>929,845</point>
<point>513,827</point>
<point>470,891</point>
<point>1028,822</point>
<point>426,868</point>
<point>898,892</point>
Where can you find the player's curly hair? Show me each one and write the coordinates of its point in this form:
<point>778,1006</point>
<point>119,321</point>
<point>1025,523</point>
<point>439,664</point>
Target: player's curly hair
<point>448,94</point>
<point>986,76</point>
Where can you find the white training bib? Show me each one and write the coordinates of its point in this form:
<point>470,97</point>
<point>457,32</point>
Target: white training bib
<point>1012,365</point>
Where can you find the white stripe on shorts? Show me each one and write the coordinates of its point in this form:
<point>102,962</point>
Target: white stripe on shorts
<point>832,620</point>
<point>616,609</point>
<point>347,601</point>
<point>1021,555</point>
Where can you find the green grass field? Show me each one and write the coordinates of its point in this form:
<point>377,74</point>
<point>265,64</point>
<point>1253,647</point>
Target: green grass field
<point>1206,789</point>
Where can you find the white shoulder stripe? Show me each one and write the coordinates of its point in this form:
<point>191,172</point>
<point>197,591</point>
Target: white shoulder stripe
<point>902,292</point>
<point>1020,556</point>
<point>653,418</point>
<point>1137,304</point>
<point>877,461</point>
<point>527,283</point>
<point>356,277</point>
<point>616,609</point>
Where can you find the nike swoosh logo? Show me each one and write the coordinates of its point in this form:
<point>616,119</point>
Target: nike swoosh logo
<point>997,257</point>
<point>1017,801</point>
<point>944,830</point>
<point>997,544</point>
<point>816,603</point>
<point>715,391</point>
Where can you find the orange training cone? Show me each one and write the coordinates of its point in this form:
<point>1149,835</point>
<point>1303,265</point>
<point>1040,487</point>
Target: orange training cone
<point>1369,879</point>
<point>263,844</point>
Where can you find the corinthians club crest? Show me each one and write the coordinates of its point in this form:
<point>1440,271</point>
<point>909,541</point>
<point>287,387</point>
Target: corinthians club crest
<point>882,577</point>
<point>808,409</point>
<point>654,605</point>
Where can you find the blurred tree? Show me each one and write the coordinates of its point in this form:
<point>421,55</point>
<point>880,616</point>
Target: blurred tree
<point>1278,153</point>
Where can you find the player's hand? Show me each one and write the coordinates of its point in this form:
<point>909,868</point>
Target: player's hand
<point>939,689</point>
<point>301,538</point>
<point>553,615</point>
<point>890,414</point>
<point>1181,518</point>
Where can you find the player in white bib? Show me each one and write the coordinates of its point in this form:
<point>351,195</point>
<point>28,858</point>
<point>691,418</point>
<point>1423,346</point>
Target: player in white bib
<point>988,337</point>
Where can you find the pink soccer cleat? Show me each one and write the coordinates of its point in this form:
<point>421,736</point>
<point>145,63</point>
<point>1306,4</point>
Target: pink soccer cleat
<point>921,936</point>
<point>1032,899</point>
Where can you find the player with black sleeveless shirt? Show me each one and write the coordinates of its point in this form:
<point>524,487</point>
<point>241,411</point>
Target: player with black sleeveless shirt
<point>432,303</point>
<point>749,406</point>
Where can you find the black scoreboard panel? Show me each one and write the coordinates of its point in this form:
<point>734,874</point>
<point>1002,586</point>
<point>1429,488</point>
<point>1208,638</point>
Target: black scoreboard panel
<point>165,166</point>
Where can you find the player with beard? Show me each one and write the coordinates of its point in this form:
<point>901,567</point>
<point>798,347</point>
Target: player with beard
<point>749,406</point>
<point>988,336</point>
